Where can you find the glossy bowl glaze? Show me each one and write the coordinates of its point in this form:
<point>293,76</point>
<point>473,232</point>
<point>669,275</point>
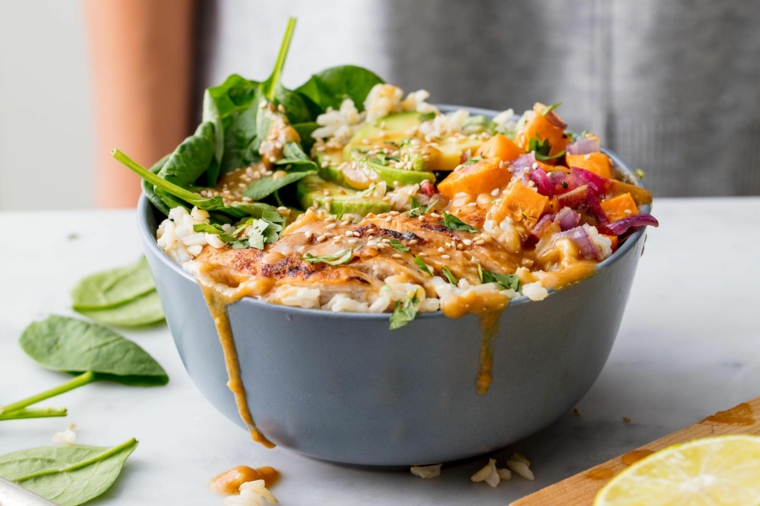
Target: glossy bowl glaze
<point>342,387</point>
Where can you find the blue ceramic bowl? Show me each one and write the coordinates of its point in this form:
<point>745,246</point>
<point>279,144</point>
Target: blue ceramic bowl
<point>342,387</point>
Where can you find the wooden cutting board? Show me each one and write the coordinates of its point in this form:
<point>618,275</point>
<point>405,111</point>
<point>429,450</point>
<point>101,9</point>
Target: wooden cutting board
<point>581,489</point>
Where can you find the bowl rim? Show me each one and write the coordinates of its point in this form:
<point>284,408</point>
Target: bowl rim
<point>148,237</point>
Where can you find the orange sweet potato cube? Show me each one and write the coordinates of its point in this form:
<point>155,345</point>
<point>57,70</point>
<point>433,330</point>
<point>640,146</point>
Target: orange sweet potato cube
<point>500,147</point>
<point>620,207</point>
<point>521,203</point>
<point>481,177</point>
<point>598,163</point>
<point>543,129</point>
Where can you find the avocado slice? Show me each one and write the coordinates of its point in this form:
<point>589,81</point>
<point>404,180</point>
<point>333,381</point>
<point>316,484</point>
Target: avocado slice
<point>311,190</point>
<point>392,176</point>
<point>395,127</point>
<point>329,170</point>
<point>451,151</point>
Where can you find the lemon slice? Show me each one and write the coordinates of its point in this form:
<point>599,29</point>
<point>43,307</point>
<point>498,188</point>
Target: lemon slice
<point>717,471</point>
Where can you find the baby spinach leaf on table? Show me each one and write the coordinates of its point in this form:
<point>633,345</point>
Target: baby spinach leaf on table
<point>34,413</point>
<point>76,346</point>
<point>192,157</point>
<point>68,475</point>
<point>111,288</point>
<point>331,86</point>
<point>404,312</point>
<point>139,312</point>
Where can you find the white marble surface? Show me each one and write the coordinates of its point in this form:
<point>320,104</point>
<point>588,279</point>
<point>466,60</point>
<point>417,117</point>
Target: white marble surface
<point>689,345</point>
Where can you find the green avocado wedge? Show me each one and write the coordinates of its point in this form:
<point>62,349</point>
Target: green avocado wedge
<point>394,127</point>
<point>313,190</point>
<point>396,177</point>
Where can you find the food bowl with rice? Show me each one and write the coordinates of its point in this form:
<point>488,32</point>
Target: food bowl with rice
<point>365,278</point>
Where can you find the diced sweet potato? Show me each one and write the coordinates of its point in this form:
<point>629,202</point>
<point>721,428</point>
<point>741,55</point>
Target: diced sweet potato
<point>543,129</point>
<point>640,195</point>
<point>598,163</point>
<point>620,207</point>
<point>552,205</point>
<point>481,177</point>
<point>521,203</point>
<point>500,147</point>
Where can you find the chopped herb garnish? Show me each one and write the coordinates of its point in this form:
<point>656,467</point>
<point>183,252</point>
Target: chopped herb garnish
<point>542,149</point>
<point>449,275</point>
<point>381,158</point>
<point>640,173</point>
<point>216,229</point>
<point>422,265</point>
<point>399,245</point>
<point>427,116</point>
<point>508,281</point>
<point>549,108</point>
<point>454,223</point>
<point>564,184</point>
<point>404,312</point>
<point>472,160</point>
<point>418,210</point>
<point>337,258</point>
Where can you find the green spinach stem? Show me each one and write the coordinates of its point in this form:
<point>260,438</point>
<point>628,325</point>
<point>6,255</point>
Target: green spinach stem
<point>82,379</point>
<point>33,413</point>
<point>274,79</point>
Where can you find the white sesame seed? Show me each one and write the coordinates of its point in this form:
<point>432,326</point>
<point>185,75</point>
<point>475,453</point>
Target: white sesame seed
<point>321,238</point>
<point>324,165</point>
<point>422,254</point>
<point>357,234</point>
<point>331,226</point>
<point>413,242</point>
<point>467,242</point>
<point>472,204</point>
<point>388,219</point>
<point>398,255</point>
<point>495,193</point>
<point>480,242</point>
<point>441,250</point>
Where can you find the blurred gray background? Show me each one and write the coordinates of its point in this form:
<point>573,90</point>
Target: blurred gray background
<point>672,86</point>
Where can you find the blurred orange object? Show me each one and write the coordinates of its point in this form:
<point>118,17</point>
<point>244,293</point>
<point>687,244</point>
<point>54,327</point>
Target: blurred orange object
<point>141,62</point>
<point>500,147</point>
<point>480,177</point>
<point>598,163</point>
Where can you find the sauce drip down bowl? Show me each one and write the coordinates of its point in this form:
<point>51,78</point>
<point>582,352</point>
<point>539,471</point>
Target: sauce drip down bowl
<point>342,387</point>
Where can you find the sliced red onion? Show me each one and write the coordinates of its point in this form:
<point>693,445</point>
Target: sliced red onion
<point>543,224</point>
<point>543,184</point>
<point>583,199</point>
<point>428,188</point>
<point>581,237</point>
<point>585,146</point>
<point>639,220</point>
<point>582,176</point>
<point>567,218</point>
<point>555,120</point>
<point>524,161</point>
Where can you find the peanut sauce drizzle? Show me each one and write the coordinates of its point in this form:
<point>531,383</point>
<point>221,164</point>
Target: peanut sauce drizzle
<point>221,287</point>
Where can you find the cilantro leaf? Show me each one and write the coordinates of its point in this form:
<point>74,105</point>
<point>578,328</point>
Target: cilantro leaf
<point>453,223</point>
<point>399,245</point>
<point>640,173</point>
<point>427,116</point>
<point>216,230</point>
<point>404,312</point>
<point>422,265</point>
<point>542,149</point>
<point>418,210</point>
<point>339,257</point>
<point>549,108</point>
<point>449,275</point>
<point>507,281</point>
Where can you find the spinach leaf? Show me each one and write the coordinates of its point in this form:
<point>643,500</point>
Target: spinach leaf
<point>211,115</point>
<point>75,346</point>
<point>144,310</point>
<point>329,87</point>
<point>304,132</point>
<point>507,281</point>
<point>111,288</point>
<point>236,93</point>
<point>404,312</point>
<point>69,475</point>
<point>266,186</point>
<point>149,189</point>
<point>241,148</point>
<point>270,85</point>
<point>191,158</point>
<point>337,258</point>
<point>453,223</point>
